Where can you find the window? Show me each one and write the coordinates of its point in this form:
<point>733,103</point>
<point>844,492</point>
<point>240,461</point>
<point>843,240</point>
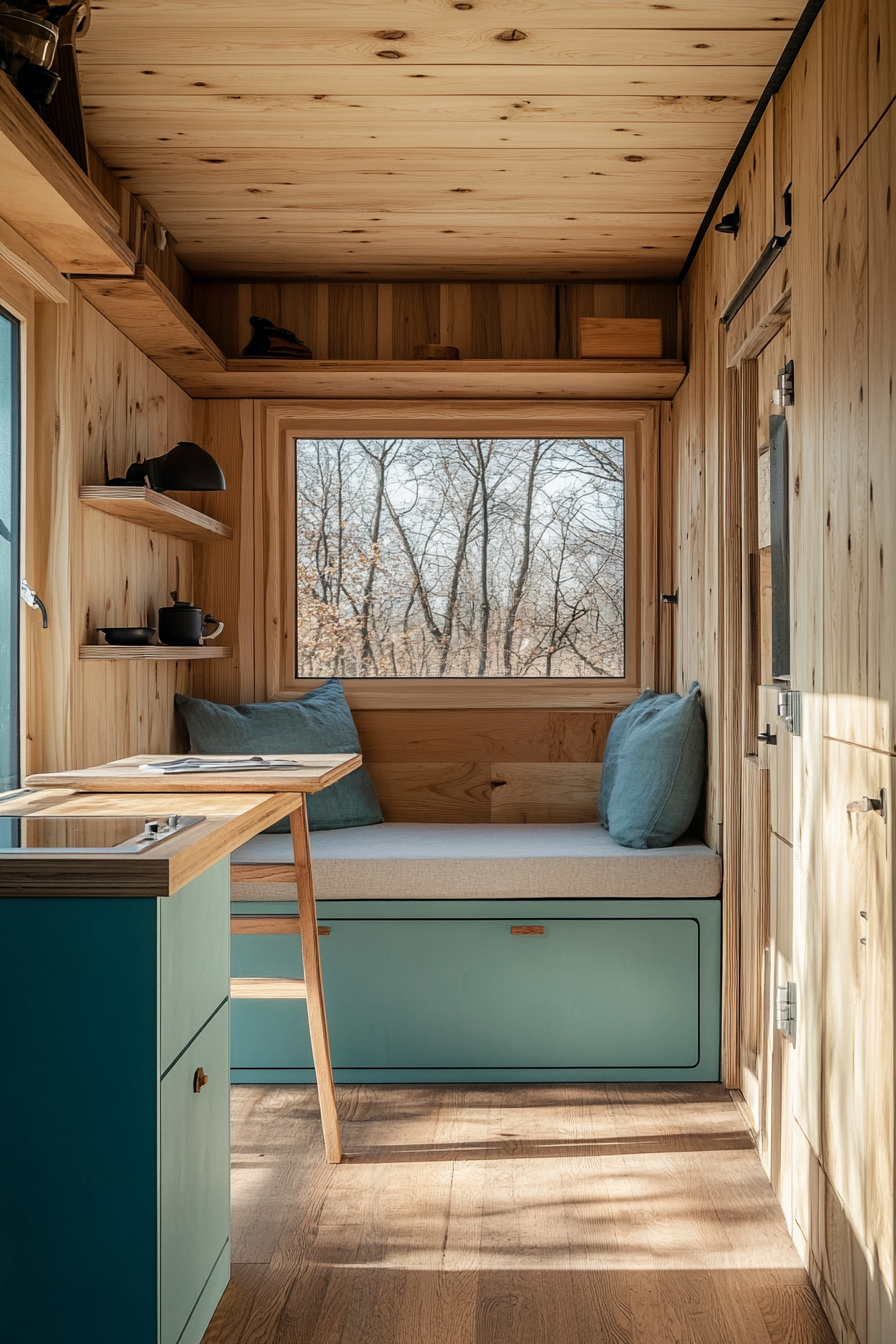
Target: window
<point>460,557</point>
<point>9,551</point>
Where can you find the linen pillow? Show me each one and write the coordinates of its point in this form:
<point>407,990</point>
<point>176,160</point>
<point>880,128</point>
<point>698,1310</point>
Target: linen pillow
<point>320,721</point>
<point>660,774</point>
<point>647,704</point>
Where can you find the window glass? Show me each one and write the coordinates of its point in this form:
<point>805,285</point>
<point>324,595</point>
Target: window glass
<point>460,557</point>
<point>9,551</point>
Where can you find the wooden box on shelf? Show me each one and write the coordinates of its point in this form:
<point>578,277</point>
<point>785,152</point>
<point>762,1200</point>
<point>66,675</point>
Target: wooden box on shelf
<point>620,338</point>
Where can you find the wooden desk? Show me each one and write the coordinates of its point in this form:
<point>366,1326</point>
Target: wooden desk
<point>228,821</point>
<point>315,772</point>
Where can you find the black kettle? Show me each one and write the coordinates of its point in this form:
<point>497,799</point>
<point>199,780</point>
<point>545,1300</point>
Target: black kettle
<point>184,624</point>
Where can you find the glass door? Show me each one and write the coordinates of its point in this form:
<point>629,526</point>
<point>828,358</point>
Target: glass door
<point>10,456</point>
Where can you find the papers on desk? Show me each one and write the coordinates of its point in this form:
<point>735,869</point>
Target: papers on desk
<point>207,765</point>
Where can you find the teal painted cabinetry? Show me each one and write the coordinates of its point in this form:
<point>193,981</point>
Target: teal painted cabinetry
<point>194,1200</point>
<point>419,990</point>
<point>116,1189</point>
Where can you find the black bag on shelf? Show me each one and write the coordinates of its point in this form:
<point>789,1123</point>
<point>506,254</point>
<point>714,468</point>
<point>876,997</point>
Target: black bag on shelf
<point>270,342</point>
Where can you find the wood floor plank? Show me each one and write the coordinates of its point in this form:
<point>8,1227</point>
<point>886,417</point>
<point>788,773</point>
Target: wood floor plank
<point>581,1213</point>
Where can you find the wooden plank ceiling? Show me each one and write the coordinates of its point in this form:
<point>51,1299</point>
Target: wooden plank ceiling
<point>417,139</point>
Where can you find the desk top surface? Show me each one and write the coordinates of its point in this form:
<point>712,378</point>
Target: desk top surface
<point>313,773</point>
<point>228,821</point>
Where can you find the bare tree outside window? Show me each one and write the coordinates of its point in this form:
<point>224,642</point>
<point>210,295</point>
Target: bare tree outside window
<point>460,558</point>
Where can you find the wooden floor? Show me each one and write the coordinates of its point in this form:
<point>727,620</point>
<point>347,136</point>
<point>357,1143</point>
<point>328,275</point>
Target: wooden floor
<point>571,1214</point>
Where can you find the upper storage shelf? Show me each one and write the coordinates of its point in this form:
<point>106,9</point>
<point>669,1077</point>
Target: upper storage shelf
<point>149,315</point>
<point>138,504</point>
<point>49,200</point>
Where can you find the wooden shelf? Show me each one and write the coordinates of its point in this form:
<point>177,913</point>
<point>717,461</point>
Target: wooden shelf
<point>577,379</point>
<point>149,315</point>
<point>49,200</point>
<point>146,311</point>
<point>155,652</point>
<point>139,504</point>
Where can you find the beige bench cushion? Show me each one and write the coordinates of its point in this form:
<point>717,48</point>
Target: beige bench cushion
<point>429,861</point>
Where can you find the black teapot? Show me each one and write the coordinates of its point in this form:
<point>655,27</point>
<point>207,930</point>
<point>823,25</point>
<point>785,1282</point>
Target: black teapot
<point>184,624</point>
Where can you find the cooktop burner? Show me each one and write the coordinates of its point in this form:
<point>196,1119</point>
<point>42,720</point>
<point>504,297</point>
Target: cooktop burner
<point>126,835</point>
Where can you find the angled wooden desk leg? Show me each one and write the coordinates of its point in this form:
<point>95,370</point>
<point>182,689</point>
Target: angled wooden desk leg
<point>317,1015</point>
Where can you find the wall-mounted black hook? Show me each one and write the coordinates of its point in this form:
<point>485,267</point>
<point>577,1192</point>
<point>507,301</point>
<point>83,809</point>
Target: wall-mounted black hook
<point>730,223</point>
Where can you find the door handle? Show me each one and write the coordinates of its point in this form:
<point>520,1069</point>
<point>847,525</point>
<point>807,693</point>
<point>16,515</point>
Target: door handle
<point>866,804</point>
<point>31,599</point>
<point>527,928</point>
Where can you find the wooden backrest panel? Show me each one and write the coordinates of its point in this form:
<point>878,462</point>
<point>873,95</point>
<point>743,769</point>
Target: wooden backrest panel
<point>468,765</point>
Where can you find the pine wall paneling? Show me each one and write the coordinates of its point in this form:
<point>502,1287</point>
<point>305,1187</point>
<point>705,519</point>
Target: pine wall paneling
<point>845,409</point>
<point>881,380</point>
<point>823,1107</point>
<point>99,403</point>
<point>483,320</point>
<point>806,260</point>
<point>881,58</point>
<point>845,60</point>
<point>754,918</point>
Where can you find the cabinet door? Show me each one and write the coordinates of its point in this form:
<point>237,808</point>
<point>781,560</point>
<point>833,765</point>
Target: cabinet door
<point>618,994</point>
<point>194,1195</point>
<point>857,1061</point>
<point>845,456</point>
<point>194,958</point>
<point>882,429</point>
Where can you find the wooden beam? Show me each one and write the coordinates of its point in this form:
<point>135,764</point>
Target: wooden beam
<point>49,200</point>
<point>32,265</point>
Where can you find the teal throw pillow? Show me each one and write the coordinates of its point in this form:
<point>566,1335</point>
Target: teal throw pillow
<point>647,704</point>
<point>320,722</point>
<point>660,773</point>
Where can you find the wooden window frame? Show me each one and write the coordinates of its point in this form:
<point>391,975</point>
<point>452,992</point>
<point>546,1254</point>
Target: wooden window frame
<point>635,422</point>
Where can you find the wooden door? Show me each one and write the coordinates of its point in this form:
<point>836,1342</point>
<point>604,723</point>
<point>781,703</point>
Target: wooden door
<point>857,1033</point>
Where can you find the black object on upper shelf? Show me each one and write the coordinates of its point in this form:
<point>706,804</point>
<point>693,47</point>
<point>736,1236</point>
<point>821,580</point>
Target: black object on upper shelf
<point>185,467</point>
<point>272,342</point>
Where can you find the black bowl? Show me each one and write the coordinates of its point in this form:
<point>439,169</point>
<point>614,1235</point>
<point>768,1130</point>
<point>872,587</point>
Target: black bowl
<point>127,634</point>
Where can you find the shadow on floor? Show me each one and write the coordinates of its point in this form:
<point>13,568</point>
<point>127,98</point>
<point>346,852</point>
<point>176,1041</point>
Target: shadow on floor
<point>508,1149</point>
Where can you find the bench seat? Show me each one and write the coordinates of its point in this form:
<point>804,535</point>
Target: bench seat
<point>433,861</point>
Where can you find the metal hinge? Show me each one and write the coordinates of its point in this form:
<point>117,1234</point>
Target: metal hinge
<point>785,1009</point>
<point>790,709</point>
<point>783,393</point>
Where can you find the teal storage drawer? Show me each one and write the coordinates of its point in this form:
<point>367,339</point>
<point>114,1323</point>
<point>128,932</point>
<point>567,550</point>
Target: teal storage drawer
<point>428,990</point>
<point>194,957</point>
<point>194,1176</point>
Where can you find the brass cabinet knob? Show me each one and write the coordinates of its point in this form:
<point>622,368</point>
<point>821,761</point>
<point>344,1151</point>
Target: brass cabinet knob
<point>200,1078</point>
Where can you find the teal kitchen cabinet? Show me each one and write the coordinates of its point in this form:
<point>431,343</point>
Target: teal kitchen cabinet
<point>116,1185</point>
<point>429,990</point>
